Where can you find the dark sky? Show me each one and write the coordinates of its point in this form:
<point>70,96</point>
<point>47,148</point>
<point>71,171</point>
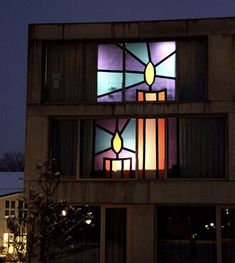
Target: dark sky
<point>16,14</point>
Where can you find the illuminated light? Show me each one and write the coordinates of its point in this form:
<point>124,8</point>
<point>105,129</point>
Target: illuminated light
<point>117,143</point>
<point>162,96</point>
<point>212,224</point>
<point>150,146</point>
<point>161,146</point>
<point>63,213</point>
<point>149,73</point>
<point>116,165</point>
<point>222,226</point>
<point>88,221</point>
<point>140,95</point>
<point>107,167</point>
<point>151,96</point>
<point>206,226</point>
<point>227,212</point>
<point>140,146</point>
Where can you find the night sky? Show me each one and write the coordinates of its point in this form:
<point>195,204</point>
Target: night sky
<point>15,15</point>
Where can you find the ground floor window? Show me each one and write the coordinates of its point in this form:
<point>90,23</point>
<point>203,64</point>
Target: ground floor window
<point>186,234</point>
<point>228,235</point>
<point>115,235</point>
<point>83,244</point>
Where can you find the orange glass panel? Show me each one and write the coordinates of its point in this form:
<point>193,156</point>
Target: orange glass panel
<point>150,146</point>
<point>140,145</point>
<point>107,168</point>
<point>140,96</point>
<point>151,96</point>
<point>162,96</point>
<point>161,146</point>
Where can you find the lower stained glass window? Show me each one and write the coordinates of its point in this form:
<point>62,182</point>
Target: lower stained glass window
<point>141,147</point>
<point>154,148</point>
<point>124,146</point>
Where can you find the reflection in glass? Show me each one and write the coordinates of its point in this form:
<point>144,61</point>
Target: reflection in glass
<point>228,235</point>
<point>186,234</point>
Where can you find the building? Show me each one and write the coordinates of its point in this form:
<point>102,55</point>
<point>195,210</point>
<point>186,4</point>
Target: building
<point>140,118</point>
<point>11,198</point>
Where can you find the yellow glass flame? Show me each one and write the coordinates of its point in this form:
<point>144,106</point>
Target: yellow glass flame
<point>117,142</point>
<point>149,73</point>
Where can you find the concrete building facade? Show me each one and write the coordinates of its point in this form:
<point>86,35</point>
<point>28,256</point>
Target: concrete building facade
<point>140,119</point>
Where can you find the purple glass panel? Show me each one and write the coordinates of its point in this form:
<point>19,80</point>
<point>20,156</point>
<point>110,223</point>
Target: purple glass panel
<point>100,158</point>
<point>109,57</point>
<point>169,84</point>
<point>160,50</point>
<point>109,124</point>
<point>172,143</point>
<point>114,97</point>
<point>128,154</point>
<point>133,64</point>
<point>131,93</point>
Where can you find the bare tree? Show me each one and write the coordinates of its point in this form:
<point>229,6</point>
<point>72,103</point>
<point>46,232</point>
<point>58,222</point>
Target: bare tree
<point>50,222</point>
<point>12,162</point>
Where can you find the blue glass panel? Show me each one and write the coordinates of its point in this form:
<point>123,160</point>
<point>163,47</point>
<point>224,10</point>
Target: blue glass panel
<point>139,50</point>
<point>114,97</point>
<point>108,82</point>
<point>167,67</point>
<point>102,140</point>
<point>160,50</point>
<point>128,135</point>
<point>133,78</point>
<point>110,57</point>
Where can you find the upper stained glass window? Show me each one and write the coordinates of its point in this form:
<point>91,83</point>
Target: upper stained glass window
<point>144,71</point>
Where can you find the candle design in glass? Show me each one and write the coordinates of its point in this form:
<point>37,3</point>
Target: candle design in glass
<point>126,69</point>
<point>115,148</point>
<point>151,132</point>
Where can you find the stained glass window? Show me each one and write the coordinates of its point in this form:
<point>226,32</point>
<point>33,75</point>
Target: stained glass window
<point>127,148</point>
<point>125,70</point>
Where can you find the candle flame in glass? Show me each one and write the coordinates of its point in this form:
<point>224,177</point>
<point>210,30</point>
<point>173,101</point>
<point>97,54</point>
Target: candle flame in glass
<point>117,142</point>
<point>149,73</point>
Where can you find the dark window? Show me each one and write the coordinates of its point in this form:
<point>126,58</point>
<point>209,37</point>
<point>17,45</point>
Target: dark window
<point>115,235</point>
<point>191,70</point>
<point>202,147</point>
<point>7,204</point>
<point>64,145</point>
<point>63,72</point>
<point>186,234</point>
